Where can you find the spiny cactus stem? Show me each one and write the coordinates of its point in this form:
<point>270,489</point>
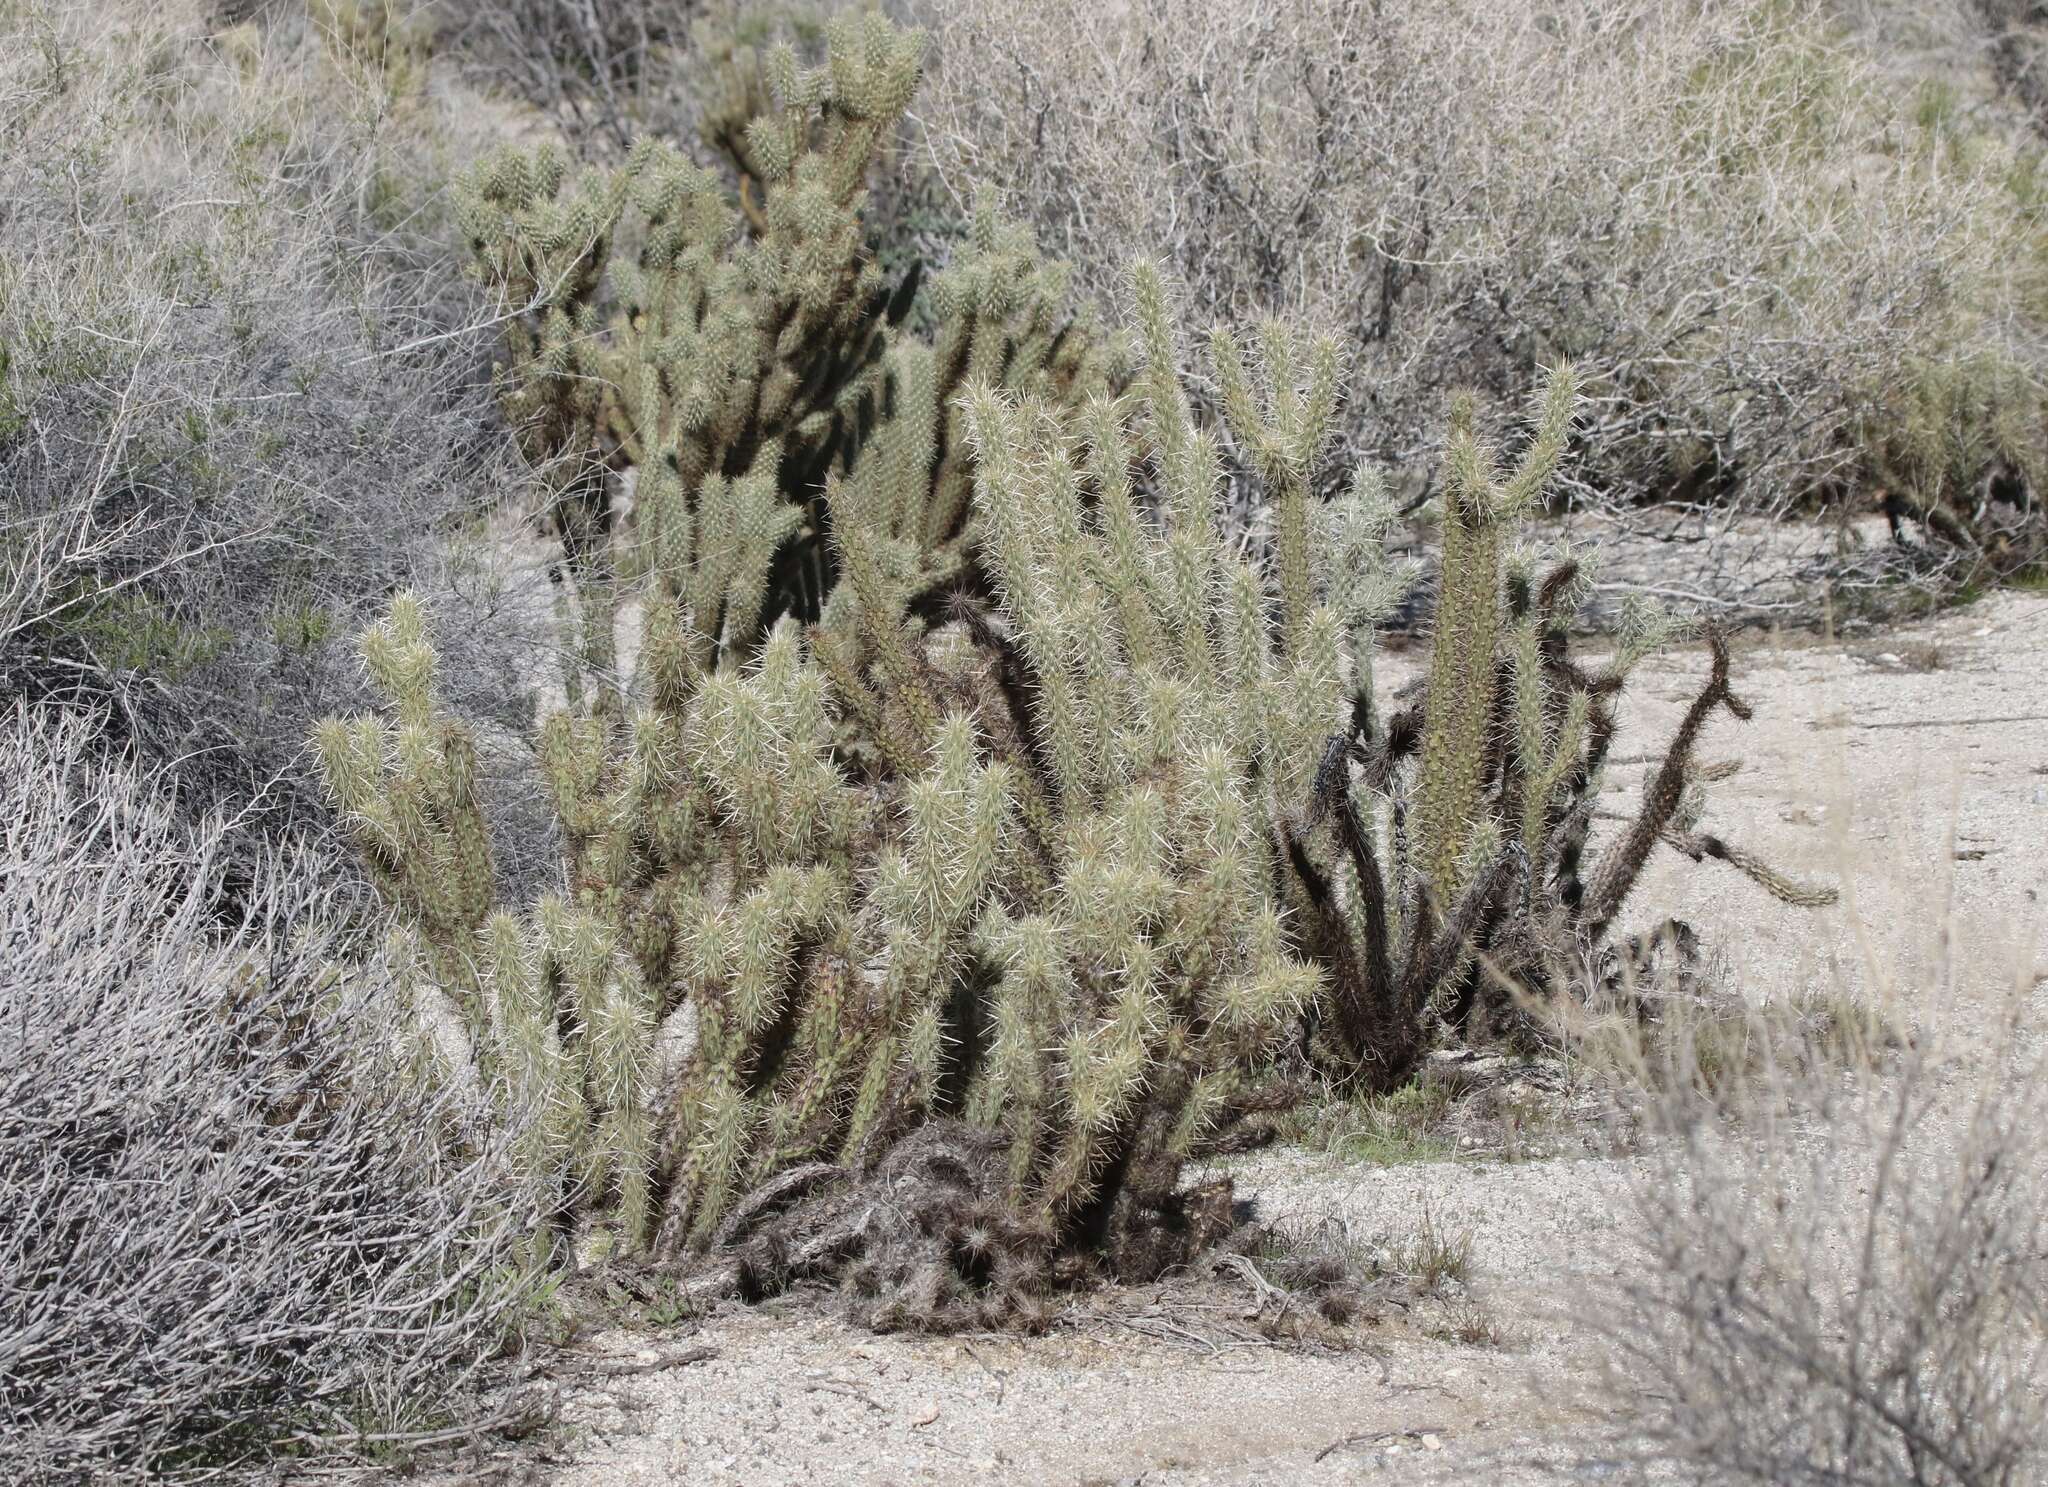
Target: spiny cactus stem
<point>1460,703</point>
<point>1290,552</point>
<point>1619,870</point>
<point>1701,845</point>
<point>1433,956</point>
<point>1332,799</point>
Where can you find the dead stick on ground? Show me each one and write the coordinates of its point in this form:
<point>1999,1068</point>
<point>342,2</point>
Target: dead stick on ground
<point>654,1365</point>
<point>1958,722</point>
<point>992,1373</point>
<point>1415,1434</point>
<point>823,1386</point>
<point>1350,1440</point>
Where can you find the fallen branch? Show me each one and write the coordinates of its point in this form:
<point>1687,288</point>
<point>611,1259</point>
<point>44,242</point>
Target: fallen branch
<point>654,1365</point>
<point>826,1386</point>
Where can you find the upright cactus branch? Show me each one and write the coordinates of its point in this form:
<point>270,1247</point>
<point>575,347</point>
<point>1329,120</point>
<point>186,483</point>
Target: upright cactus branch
<point>1282,426</point>
<point>1480,502</point>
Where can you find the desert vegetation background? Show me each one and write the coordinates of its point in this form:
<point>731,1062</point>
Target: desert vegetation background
<point>733,727</point>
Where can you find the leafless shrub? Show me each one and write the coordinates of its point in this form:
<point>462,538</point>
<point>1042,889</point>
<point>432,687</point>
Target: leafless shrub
<point>1786,270</point>
<point>243,398</point>
<point>592,64</point>
<point>223,1225</point>
<point>1331,1266</point>
<point>1473,1324</point>
<point>2018,31</point>
<point>1843,1269</point>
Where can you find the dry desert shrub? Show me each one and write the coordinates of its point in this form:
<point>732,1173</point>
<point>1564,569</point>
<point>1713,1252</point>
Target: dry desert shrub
<point>1844,1262</point>
<point>224,1225</point>
<point>1786,270</point>
<point>587,63</point>
<point>242,395</point>
<point>609,71</point>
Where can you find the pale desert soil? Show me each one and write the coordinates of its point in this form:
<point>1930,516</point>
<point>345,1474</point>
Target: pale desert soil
<point>1910,764</point>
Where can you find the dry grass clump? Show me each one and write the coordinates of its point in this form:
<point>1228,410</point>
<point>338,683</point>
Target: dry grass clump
<point>1408,1124</point>
<point>1844,1260</point>
<point>241,395</point>
<point>1682,1025</point>
<point>1465,1105</point>
<point>1311,1278</point>
<point>225,1227</point>
<point>1785,271</point>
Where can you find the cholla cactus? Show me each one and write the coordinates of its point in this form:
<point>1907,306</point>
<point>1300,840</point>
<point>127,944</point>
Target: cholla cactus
<point>1472,890</point>
<point>549,1020</point>
<point>1004,910</point>
<point>1011,912</point>
<point>737,353</point>
<point>1455,830</point>
<point>778,948</point>
<point>409,789</point>
<point>1479,506</point>
<point>1951,448</point>
<point>822,968</point>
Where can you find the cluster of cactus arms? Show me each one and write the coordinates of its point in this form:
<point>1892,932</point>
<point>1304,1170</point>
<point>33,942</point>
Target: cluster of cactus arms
<point>1490,784</point>
<point>732,354</point>
<point>1005,876</point>
<point>922,944</point>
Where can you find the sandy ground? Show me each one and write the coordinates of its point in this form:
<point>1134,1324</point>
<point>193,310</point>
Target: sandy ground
<point>1910,765</point>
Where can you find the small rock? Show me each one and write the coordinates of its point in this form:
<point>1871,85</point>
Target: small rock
<point>1431,1443</point>
<point>926,1413</point>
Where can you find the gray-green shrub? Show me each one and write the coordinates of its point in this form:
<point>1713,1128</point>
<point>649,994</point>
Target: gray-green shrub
<point>227,1225</point>
<point>1786,270</point>
<point>241,395</point>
